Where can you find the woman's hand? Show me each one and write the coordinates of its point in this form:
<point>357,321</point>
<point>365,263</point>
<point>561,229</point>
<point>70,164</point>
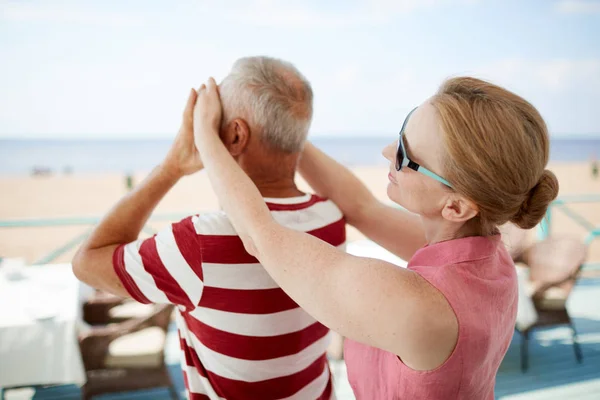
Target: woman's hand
<point>183,157</point>
<point>339,290</point>
<point>207,112</point>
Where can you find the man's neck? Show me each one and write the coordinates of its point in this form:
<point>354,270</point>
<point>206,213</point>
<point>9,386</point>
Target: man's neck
<point>277,189</point>
<point>272,173</point>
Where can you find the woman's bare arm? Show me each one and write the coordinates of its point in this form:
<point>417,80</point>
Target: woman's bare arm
<point>367,300</point>
<point>397,230</point>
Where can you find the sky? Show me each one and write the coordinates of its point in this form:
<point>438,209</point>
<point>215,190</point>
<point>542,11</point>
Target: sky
<point>123,69</point>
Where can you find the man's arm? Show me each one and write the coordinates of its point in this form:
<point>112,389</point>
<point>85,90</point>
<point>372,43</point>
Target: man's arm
<point>93,262</point>
<point>398,231</point>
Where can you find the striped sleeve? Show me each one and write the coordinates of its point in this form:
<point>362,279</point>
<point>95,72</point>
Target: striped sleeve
<point>165,268</point>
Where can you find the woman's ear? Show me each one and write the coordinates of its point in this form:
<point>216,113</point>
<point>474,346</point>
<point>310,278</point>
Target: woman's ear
<point>459,209</point>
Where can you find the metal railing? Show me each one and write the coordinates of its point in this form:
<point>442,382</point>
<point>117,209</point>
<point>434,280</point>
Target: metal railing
<point>75,221</point>
<point>544,229</point>
<point>562,205</point>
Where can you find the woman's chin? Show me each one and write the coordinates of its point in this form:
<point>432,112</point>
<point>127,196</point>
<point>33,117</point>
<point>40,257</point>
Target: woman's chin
<point>398,199</point>
<point>392,193</point>
<point>389,190</point>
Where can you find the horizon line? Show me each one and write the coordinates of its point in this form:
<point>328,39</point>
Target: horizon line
<point>337,135</point>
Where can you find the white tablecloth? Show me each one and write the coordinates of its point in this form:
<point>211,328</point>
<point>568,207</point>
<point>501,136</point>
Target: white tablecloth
<point>526,313</point>
<point>40,314</point>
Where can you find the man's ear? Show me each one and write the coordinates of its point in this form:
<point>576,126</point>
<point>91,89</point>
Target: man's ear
<point>236,136</point>
<point>459,209</point>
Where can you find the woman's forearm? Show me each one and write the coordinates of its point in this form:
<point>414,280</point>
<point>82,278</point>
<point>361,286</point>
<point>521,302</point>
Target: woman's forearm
<point>330,179</point>
<point>238,195</point>
<point>332,286</point>
<point>396,230</point>
<point>338,289</point>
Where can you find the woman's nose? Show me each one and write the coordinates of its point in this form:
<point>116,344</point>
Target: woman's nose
<point>389,151</point>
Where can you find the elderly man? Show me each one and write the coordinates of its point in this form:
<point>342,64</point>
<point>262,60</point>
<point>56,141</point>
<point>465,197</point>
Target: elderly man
<point>241,335</point>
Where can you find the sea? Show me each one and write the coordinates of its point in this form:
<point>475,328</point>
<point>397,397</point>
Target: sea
<point>58,156</point>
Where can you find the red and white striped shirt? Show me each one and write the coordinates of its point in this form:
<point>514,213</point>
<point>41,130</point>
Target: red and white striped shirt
<point>241,336</point>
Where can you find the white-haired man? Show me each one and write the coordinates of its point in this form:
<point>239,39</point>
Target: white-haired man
<point>241,336</point>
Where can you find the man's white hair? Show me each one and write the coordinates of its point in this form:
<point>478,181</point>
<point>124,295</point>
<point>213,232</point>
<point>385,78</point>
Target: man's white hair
<point>273,97</point>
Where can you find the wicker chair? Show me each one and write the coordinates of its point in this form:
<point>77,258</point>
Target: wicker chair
<point>104,308</point>
<point>97,308</point>
<point>554,266</point>
<point>127,356</point>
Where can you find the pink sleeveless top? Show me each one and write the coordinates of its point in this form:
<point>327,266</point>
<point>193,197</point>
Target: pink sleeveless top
<point>477,277</point>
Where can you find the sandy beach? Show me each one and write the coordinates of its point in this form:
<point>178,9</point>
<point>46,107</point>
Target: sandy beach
<point>79,195</point>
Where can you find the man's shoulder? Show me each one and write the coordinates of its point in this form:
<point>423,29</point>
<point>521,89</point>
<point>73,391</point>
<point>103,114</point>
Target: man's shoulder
<point>319,217</point>
<point>213,223</point>
<point>316,213</point>
<point>317,209</point>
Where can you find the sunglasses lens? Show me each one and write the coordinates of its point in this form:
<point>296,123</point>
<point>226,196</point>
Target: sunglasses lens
<point>400,150</point>
<point>399,156</point>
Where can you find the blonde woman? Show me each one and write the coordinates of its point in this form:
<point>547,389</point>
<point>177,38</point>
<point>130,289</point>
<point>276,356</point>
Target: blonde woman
<point>470,158</point>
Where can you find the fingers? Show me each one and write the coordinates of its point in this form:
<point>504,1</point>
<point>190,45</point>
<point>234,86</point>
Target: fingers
<point>191,100</point>
<point>208,93</point>
<point>208,110</point>
<point>211,84</point>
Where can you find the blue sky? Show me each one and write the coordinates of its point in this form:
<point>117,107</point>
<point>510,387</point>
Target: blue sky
<point>123,69</point>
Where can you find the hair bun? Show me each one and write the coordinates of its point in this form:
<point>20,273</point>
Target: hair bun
<point>536,203</point>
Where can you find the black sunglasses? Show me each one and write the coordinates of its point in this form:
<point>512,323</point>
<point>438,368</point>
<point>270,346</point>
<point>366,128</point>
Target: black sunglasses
<point>402,159</point>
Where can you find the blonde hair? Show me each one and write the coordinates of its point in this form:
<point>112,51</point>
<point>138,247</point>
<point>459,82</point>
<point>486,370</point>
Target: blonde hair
<point>497,149</point>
